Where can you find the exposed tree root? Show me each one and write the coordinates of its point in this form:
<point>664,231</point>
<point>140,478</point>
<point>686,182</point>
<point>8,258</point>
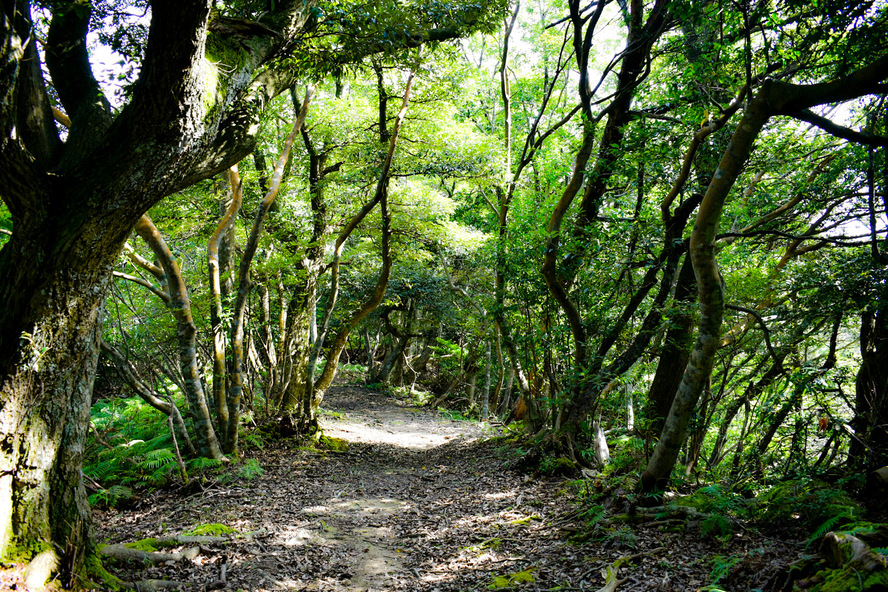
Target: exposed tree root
<point>124,553</point>
<point>154,585</point>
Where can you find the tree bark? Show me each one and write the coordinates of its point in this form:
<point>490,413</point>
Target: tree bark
<point>180,306</point>
<point>217,311</point>
<point>675,352</point>
<point>710,294</point>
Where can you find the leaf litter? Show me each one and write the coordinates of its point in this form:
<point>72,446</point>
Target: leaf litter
<point>415,501</point>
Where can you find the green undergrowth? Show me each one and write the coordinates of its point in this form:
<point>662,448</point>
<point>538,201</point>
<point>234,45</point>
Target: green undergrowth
<point>850,580</point>
<point>852,570</point>
<point>130,449</point>
<point>215,529</point>
<point>513,579</point>
<point>807,507</point>
<point>129,446</point>
<point>721,507</point>
<point>808,503</point>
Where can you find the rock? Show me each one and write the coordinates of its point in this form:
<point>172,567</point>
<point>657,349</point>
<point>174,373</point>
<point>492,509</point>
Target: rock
<point>41,567</point>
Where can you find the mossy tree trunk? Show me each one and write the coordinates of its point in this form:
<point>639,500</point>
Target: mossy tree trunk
<point>74,203</point>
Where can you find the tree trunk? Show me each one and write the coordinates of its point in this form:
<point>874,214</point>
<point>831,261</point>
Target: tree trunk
<point>245,283</point>
<point>217,312</point>
<point>422,361</point>
<point>869,447</point>
<point>180,306</point>
<point>774,98</point>
<point>710,292</point>
<point>296,406</point>
<point>485,402</point>
<point>45,389</point>
<point>675,352</point>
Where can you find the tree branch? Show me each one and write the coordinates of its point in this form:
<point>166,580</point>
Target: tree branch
<point>765,330</point>
<point>145,284</point>
<point>841,131</point>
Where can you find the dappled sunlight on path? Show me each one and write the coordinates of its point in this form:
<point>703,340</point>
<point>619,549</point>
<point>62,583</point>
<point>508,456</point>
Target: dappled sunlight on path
<point>402,500</point>
<point>379,421</point>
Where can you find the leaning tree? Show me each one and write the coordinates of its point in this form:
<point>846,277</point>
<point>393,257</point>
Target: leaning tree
<point>206,72</point>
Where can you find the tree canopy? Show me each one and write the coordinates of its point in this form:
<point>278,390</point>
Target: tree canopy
<point>658,219</point>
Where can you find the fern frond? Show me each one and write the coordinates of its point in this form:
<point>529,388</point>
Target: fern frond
<point>717,525</point>
<point>200,463</point>
<point>111,496</point>
<point>825,528</point>
<point>251,469</point>
<point>155,459</point>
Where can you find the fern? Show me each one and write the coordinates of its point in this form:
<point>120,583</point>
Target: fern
<point>721,567</point>
<point>112,496</point>
<point>253,440</point>
<point>251,469</point>
<point>825,528</point>
<point>716,525</point>
<point>156,459</point>
<point>101,470</point>
<point>136,446</point>
<point>806,501</point>
<point>201,463</point>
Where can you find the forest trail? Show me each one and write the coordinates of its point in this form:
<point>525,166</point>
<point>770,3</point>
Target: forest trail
<point>413,501</point>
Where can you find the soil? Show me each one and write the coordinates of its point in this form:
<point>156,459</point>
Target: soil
<point>417,501</point>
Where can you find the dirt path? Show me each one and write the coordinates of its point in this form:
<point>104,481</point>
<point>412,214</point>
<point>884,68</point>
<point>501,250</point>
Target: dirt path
<point>413,502</point>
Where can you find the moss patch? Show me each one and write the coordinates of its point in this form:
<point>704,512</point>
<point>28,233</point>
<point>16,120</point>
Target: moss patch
<point>23,552</point>
<point>209,530</point>
<point>222,59</point>
<point>337,444</point>
<point>850,580</point>
<point>147,545</point>
<point>96,577</point>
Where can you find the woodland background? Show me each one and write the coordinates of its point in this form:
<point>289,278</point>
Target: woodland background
<point>650,234</point>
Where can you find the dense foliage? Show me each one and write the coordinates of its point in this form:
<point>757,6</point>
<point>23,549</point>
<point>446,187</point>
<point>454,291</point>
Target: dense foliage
<point>652,233</point>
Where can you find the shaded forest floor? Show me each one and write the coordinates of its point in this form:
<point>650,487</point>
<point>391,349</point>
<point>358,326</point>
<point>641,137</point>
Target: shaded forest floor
<point>416,501</point>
